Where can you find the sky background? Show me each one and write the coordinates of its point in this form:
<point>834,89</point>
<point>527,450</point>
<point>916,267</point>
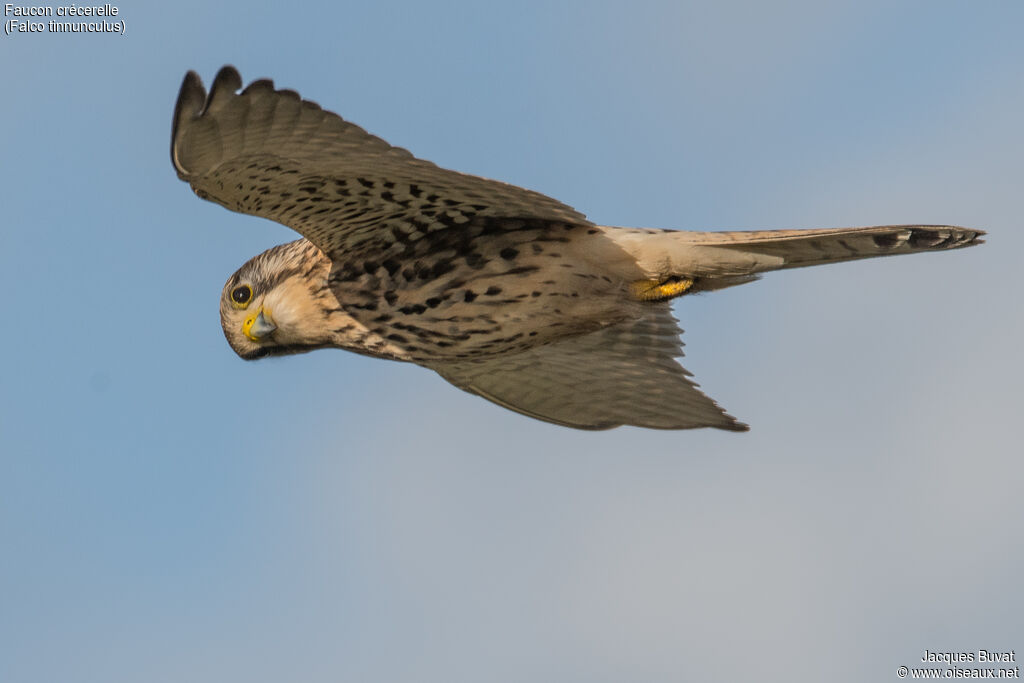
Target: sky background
<point>171,513</point>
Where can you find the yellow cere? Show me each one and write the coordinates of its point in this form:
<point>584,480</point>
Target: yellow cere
<point>247,326</point>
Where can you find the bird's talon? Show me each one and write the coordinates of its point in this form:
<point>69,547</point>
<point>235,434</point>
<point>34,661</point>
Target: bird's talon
<point>660,290</point>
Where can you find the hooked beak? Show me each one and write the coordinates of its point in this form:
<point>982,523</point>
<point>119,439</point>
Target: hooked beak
<point>260,326</point>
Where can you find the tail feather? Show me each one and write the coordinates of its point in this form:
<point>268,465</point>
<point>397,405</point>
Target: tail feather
<point>798,248</point>
<point>745,253</point>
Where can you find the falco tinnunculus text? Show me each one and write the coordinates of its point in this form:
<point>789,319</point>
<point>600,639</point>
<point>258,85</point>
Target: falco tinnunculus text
<point>504,292</point>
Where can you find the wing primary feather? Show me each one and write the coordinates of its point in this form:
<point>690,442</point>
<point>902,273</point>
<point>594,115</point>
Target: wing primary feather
<point>225,84</point>
<point>626,374</point>
<point>255,150</point>
<point>190,104</point>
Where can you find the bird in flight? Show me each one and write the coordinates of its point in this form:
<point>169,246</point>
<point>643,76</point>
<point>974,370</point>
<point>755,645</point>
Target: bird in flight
<point>504,292</point>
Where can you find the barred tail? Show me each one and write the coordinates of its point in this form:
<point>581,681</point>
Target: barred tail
<point>665,253</point>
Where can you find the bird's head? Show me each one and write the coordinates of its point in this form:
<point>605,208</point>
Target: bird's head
<point>278,302</point>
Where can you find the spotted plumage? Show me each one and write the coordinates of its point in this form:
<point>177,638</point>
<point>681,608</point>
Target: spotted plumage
<point>506,293</point>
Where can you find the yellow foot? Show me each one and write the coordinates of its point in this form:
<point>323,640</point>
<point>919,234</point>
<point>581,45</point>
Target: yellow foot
<point>659,290</point>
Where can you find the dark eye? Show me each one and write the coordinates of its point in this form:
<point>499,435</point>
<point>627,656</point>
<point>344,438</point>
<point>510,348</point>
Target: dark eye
<point>241,295</point>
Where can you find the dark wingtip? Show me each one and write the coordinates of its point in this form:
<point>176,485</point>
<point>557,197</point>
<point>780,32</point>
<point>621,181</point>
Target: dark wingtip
<point>228,77</point>
<point>225,83</point>
<point>260,84</point>
<point>191,100</point>
<point>733,425</point>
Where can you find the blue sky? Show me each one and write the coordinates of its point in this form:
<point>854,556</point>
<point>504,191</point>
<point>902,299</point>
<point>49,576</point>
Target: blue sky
<point>169,512</point>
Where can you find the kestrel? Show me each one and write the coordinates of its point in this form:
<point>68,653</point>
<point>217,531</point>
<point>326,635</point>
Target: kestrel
<point>504,292</point>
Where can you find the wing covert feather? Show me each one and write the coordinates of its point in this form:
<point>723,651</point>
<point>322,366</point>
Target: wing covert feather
<point>269,153</point>
<point>625,374</point>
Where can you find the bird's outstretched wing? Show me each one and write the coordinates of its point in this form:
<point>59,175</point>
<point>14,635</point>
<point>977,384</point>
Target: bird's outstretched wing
<point>624,374</point>
<point>270,153</point>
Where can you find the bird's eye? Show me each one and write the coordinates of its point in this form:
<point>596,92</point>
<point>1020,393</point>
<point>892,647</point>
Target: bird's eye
<point>241,296</point>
